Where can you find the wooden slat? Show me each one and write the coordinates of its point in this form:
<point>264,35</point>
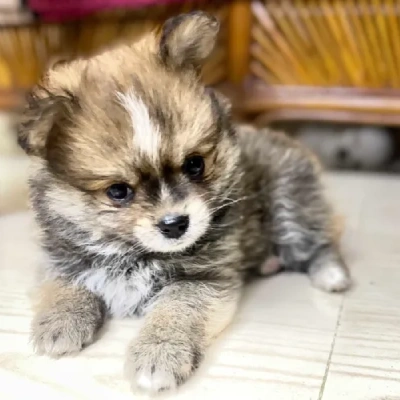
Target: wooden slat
<point>350,43</point>
<point>239,25</point>
<point>260,98</point>
<point>350,117</point>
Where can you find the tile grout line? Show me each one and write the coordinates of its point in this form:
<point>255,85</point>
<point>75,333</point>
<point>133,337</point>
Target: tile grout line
<point>328,363</point>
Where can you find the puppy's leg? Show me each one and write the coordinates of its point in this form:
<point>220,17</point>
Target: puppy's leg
<point>322,262</point>
<point>67,318</point>
<point>303,226</point>
<point>180,325</point>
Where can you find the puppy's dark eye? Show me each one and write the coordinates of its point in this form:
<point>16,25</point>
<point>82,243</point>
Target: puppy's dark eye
<point>193,167</point>
<point>120,192</point>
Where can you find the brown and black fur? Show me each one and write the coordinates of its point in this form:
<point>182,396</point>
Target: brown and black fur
<point>260,192</point>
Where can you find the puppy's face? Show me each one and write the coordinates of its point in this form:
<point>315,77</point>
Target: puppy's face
<point>133,148</point>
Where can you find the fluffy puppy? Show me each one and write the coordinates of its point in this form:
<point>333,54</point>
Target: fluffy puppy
<point>150,202</point>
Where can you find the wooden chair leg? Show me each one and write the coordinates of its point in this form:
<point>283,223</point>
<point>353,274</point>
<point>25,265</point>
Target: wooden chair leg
<point>240,18</point>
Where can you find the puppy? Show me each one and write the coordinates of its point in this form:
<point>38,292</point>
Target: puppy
<point>150,202</point>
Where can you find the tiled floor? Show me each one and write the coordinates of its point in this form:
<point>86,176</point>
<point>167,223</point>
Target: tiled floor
<point>289,341</point>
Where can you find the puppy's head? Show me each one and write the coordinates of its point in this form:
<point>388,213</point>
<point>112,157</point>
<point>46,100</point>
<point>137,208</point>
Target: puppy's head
<point>131,146</point>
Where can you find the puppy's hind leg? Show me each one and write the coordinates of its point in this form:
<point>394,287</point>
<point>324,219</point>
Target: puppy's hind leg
<point>322,262</point>
<point>302,230</point>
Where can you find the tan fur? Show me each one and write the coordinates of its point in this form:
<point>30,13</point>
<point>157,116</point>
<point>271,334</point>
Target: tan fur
<point>67,318</point>
<point>176,332</point>
<point>338,225</point>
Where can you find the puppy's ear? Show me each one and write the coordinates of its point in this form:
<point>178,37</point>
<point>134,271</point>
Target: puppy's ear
<point>46,109</point>
<point>43,112</point>
<point>188,39</point>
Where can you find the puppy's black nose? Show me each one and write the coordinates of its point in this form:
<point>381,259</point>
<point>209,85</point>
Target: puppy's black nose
<point>173,226</point>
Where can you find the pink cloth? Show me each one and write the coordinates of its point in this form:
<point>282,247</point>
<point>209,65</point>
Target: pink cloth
<point>64,10</point>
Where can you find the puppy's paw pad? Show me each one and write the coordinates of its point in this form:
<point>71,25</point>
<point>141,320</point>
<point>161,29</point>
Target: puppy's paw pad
<point>155,367</point>
<point>155,380</point>
<point>270,266</point>
<point>56,335</point>
<point>332,277</point>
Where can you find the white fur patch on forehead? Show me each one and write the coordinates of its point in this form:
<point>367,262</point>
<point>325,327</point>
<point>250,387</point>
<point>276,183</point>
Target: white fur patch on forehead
<point>146,135</point>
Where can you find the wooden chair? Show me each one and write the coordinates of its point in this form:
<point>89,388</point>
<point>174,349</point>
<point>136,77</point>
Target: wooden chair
<point>331,60</point>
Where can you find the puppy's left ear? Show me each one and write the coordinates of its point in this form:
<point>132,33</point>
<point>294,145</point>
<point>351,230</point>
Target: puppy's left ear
<point>188,39</point>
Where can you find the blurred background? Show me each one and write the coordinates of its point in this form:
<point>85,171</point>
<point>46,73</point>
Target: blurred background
<point>325,71</point>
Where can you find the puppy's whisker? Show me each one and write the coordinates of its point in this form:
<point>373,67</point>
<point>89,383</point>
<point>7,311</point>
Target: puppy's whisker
<point>227,204</point>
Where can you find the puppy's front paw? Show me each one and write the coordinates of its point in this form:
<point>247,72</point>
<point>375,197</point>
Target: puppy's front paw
<point>161,365</point>
<point>56,334</point>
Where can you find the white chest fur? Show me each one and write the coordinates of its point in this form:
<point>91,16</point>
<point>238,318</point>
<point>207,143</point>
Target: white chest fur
<point>122,293</point>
